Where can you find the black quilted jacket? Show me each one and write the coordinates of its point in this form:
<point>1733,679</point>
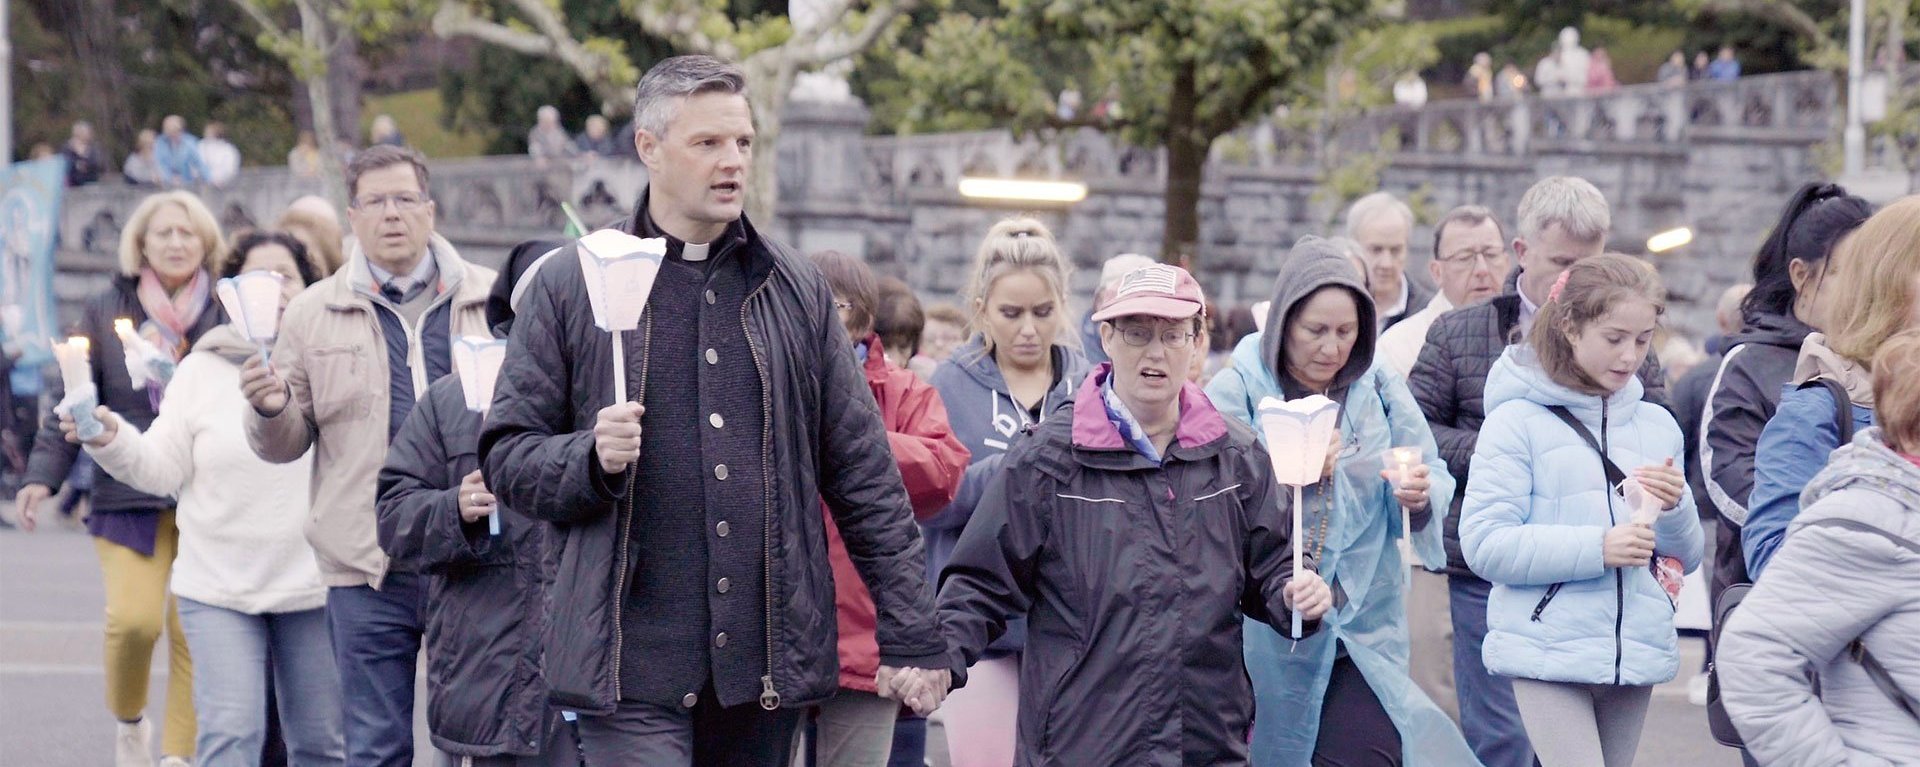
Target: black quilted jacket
<point>1450,383</point>
<point>823,439</point>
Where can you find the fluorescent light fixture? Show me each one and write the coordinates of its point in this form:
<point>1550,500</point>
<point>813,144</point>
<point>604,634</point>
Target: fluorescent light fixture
<point>1022,190</point>
<point>1669,239</point>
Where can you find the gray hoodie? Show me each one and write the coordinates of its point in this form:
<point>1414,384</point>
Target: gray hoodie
<point>1846,571</point>
<point>1312,264</point>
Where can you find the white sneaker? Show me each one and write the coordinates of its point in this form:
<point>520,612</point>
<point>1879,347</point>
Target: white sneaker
<point>1697,689</point>
<point>175,761</point>
<point>130,747</point>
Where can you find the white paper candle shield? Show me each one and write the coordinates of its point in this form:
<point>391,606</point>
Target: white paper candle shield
<point>619,269</point>
<point>1644,505</point>
<point>477,359</point>
<point>252,301</point>
<point>1260,315</point>
<point>1298,432</point>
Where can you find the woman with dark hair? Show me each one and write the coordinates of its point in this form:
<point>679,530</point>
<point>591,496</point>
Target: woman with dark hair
<point>1786,304</point>
<point>248,586</point>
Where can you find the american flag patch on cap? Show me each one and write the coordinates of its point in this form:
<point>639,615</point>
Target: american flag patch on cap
<point>1158,278</point>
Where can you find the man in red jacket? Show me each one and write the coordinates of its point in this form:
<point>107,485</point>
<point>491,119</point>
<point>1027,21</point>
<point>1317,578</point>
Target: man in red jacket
<point>855,727</point>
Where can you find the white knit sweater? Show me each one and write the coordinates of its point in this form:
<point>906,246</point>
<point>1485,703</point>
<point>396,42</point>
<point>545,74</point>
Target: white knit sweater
<point>240,518</point>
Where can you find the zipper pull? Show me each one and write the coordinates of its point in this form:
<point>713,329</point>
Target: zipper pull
<point>769,699</point>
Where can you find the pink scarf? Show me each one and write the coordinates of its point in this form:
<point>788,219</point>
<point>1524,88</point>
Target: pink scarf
<point>176,314</point>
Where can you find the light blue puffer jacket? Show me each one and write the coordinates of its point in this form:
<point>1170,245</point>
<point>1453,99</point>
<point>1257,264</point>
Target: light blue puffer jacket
<point>1537,511</point>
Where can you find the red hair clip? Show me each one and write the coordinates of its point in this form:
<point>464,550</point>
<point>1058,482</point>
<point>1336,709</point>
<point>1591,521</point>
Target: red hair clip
<point>1558,285</point>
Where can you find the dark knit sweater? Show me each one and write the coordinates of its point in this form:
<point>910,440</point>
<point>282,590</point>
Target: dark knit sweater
<point>705,410</point>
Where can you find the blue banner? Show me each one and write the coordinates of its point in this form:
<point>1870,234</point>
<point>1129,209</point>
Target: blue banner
<point>30,194</point>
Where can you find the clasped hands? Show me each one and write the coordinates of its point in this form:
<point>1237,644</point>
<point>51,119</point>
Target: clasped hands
<point>922,689</point>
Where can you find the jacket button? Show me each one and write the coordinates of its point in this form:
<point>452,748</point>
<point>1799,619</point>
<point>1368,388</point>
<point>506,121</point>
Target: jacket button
<point>722,529</point>
<point>725,584</point>
<point>711,298</point>
<point>687,700</point>
<point>717,421</point>
<point>720,639</point>
<point>720,471</point>
<point>713,357</point>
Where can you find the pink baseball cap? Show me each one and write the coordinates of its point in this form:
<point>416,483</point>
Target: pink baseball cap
<point>1154,291</point>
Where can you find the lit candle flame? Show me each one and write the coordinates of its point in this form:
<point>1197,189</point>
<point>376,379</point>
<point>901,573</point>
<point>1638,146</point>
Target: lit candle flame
<point>123,326</point>
<point>79,344</point>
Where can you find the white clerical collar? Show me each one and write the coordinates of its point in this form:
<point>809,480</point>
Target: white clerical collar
<point>695,252</point>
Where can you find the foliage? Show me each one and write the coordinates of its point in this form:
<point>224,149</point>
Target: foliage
<point>419,117</point>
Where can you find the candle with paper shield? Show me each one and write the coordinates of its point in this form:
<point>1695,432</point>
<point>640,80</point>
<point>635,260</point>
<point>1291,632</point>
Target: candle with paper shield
<point>76,373</point>
<point>619,269</point>
<point>477,361</point>
<point>1298,434</point>
<point>252,301</point>
<point>1645,506</point>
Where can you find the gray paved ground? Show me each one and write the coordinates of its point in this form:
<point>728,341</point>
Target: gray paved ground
<point>51,686</point>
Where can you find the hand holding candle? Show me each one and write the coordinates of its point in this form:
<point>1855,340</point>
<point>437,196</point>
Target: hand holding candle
<point>1302,437</point>
<point>1663,484</point>
<point>76,373</point>
<point>1409,475</point>
<point>145,362</point>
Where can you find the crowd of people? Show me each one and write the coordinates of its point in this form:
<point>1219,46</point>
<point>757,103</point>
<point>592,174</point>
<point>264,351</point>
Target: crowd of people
<point>1568,69</point>
<point>795,516</point>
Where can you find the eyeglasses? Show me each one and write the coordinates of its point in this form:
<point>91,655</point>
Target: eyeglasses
<point>402,201</point>
<point>1489,255</point>
<point>842,305</point>
<point>1139,336</point>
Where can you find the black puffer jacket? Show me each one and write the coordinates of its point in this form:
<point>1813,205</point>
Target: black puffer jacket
<point>1450,383</point>
<point>1745,392</point>
<point>823,439</point>
<point>52,454</point>
<point>485,593</point>
<point>1134,577</point>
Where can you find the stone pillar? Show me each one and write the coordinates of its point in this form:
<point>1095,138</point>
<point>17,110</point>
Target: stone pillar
<point>822,158</point>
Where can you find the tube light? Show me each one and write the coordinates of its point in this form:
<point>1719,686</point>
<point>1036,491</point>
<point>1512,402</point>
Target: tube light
<point>1023,190</point>
<point>1669,239</point>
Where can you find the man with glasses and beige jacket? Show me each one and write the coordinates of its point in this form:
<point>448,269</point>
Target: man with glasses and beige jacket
<point>354,353</point>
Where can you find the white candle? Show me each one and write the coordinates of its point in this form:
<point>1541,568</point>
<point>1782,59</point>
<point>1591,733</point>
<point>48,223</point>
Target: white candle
<point>123,328</point>
<point>74,357</point>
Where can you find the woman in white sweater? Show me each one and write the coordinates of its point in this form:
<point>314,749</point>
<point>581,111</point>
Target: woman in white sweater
<point>249,589</point>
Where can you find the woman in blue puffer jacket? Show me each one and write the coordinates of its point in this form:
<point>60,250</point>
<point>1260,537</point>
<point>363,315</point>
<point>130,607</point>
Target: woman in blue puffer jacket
<point>1581,613</point>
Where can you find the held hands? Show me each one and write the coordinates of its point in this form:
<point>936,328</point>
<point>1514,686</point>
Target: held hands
<point>922,689</point>
<point>264,389</point>
<point>1308,596</point>
<point>1663,482</point>
<point>475,502</point>
<point>1628,545</point>
<point>1412,492</point>
<point>616,436</point>
<point>107,419</point>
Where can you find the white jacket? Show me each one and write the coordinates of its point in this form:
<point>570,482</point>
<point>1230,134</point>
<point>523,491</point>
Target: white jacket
<point>1399,347</point>
<point>240,518</point>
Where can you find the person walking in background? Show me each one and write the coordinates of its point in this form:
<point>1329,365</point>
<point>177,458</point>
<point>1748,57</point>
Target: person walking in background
<point>1600,79</point>
<point>177,153</point>
<point>1343,695</point>
<point>1480,77</point>
<point>1015,371</point>
<point>898,321</point>
<point>165,287</point>
<point>1144,607</point>
<point>1839,600</point>
<point>1586,559</point>
<point>1562,220</point>
<point>303,160</point>
<point>1383,225</point>
<point>385,132</point>
<point>396,307</point>
<point>1549,77</point>
<point>597,139</point>
<point>1110,273</point>
<point>1790,299</point>
<point>1510,84</point>
<point>1725,68</point>
<point>141,167</point>
<point>220,156</point>
<point>1691,390</point>
<point>84,161</point>
<point>548,142</point>
<point>1575,63</point>
<point>1874,273</point>
<point>1468,263</point>
<point>1673,73</point>
<point>855,728</point>
<point>316,224</point>
<point>249,591</point>
<point>487,700</point>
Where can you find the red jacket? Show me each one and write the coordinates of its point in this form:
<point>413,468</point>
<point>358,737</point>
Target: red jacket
<point>931,462</point>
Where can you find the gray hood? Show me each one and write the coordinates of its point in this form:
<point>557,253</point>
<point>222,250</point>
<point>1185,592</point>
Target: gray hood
<point>1869,464</point>
<point>226,343</point>
<point>1312,264</point>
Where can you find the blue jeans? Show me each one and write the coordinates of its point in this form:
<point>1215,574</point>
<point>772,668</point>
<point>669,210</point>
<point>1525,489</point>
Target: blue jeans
<point>1489,717</point>
<point>233,652</point>
<point>376,642</point>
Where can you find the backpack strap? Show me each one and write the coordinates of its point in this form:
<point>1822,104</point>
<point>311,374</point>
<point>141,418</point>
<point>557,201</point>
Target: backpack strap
<point>1842,406</point>
<point>1614,475</point>
<point>1856,649</point>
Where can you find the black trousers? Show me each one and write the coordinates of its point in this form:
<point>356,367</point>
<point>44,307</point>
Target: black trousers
<point>706,735</point>
<point>1355,730</point>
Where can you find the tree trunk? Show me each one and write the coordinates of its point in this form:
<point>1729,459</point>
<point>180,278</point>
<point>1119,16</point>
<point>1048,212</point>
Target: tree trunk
<point>768,97</point>
<point>1186,161</point>
<point>90,30</point>
<point>314,38</point>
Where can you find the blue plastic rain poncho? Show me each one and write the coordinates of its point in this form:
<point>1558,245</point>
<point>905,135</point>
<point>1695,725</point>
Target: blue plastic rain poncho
<point>1361,557</point>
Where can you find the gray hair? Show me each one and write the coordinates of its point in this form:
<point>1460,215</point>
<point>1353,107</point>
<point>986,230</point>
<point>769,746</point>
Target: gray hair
<point>660,91</point>
<point>1466,215</point>
<point>1568,201</point>
<point>1372,206</point>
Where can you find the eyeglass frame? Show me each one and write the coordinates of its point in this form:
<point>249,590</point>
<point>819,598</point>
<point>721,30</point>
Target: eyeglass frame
<point>380,201</point>
<point>1471,257</point>
<point>1185,337</point>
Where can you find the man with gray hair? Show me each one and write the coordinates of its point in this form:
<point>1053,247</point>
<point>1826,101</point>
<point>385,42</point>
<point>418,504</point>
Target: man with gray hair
<point>1562,220</point>
<point>1382,224</point>
<point>692,594</point>
<point>1110,273</point>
